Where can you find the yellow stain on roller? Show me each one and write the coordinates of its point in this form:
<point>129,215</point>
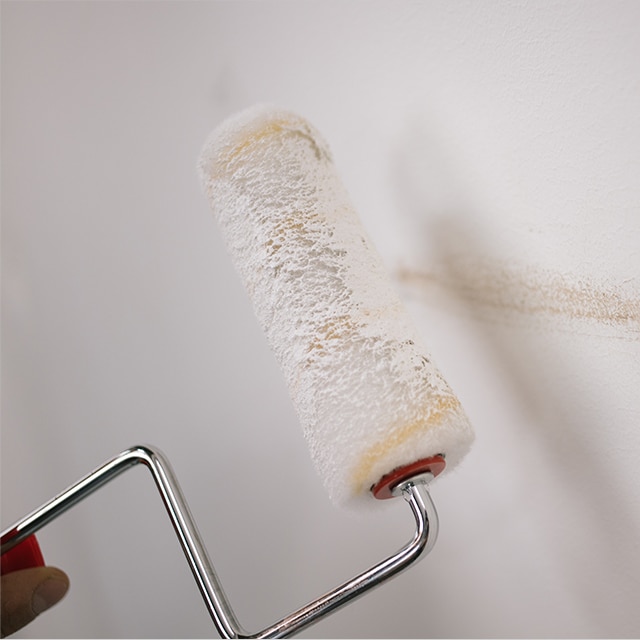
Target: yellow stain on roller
<point>275,127</point>
<point>271,128</point>
<point>296,225</point>
<point>439,409</point>
<point>337,328</point>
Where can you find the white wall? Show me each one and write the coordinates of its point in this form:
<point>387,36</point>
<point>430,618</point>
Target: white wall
<point>493,150</point>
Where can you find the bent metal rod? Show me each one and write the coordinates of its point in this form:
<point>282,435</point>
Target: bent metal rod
<point>414,490</point>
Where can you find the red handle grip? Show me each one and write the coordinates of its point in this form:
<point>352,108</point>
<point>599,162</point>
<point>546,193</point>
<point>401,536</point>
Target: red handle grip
<point>25,555</point>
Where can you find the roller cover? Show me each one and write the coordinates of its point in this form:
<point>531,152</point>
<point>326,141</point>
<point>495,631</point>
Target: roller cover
<point>367,395</point>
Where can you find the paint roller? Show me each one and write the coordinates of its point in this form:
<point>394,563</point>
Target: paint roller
<point>368,397</point>
<point>379,418</point>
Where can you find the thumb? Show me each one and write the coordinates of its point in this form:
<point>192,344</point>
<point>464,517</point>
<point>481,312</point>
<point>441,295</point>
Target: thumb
<point>29,592</point>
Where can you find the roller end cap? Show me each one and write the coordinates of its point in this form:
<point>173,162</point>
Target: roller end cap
<point>384,489</point>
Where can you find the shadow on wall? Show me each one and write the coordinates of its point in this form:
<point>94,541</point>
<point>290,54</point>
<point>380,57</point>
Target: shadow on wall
<point>566,345</point>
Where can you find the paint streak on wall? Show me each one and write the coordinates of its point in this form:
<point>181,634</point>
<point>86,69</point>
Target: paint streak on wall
<point>521,294</point>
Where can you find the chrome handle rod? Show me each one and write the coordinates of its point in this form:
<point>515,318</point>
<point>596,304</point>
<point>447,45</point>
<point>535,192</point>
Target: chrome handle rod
<point>224,619</point>
<point>195,552</point>
<point>417,495</point>
<point>176,507</point>
<point>68,498</point>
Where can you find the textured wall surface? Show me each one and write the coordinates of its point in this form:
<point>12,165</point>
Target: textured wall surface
<point>493,152</point>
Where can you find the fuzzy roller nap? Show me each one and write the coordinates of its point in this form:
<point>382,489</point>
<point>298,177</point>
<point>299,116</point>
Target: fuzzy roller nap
<point>368,396</point>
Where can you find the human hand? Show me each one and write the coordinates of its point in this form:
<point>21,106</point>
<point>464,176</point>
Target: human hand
<point>27,593</point>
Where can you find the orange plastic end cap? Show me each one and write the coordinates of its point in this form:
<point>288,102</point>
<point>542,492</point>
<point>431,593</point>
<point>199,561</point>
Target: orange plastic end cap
<point>383,490</point>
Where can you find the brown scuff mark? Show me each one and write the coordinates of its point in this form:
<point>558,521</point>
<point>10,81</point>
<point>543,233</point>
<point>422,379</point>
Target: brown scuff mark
<point>498,290</point>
